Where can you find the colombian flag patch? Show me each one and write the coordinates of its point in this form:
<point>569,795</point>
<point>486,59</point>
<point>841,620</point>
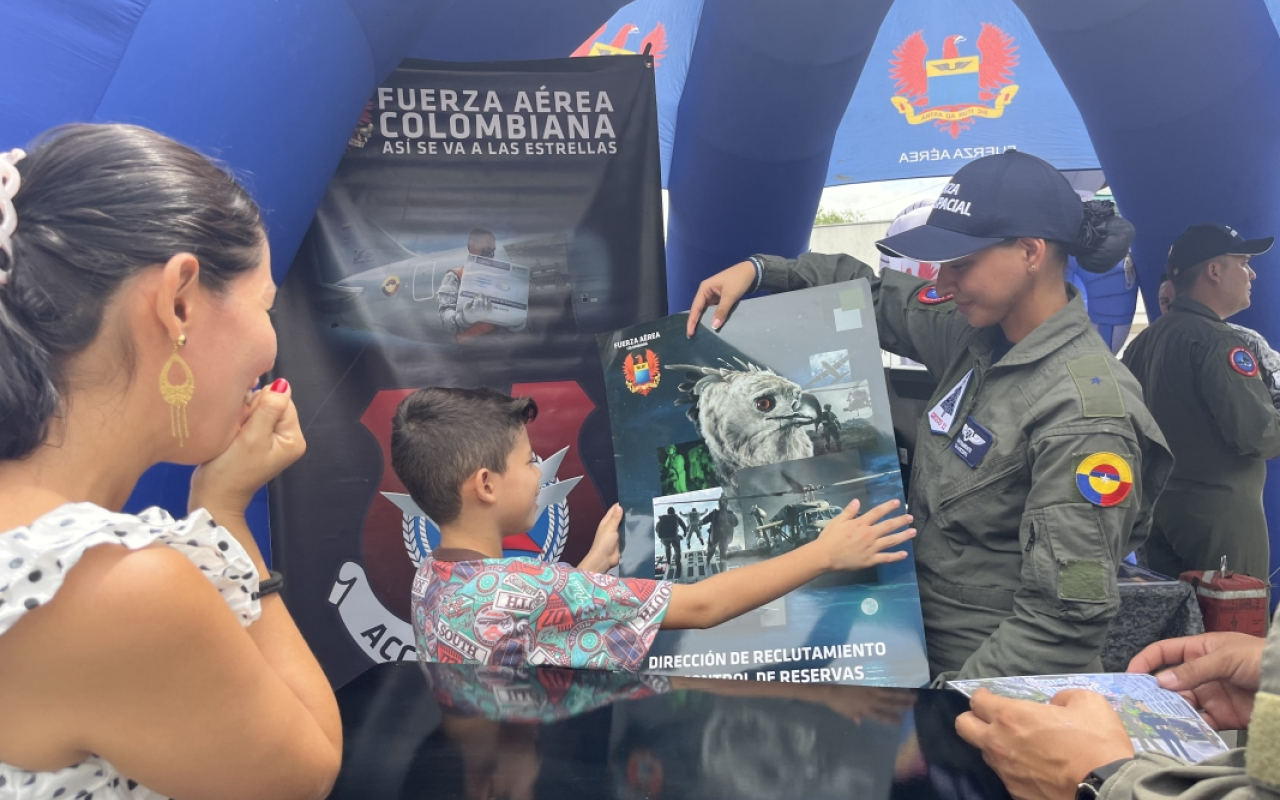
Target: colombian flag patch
<point>1104,479</point>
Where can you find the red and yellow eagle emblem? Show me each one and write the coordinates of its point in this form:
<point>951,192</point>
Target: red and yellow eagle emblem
<point>655,41</point>
<point>642,372</point>
<point>951,91</point>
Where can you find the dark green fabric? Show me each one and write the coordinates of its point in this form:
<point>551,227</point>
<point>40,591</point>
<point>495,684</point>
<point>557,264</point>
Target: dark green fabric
<point>1222,428</point>
<point>1082,580</point>
<point>1099,393</point>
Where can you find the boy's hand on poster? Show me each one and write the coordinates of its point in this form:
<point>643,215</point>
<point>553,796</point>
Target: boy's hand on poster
<point>723,290</point>
<point>604,553</point>
<point>853,542</point>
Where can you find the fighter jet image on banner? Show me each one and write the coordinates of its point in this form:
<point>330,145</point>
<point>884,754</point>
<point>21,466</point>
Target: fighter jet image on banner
<point>487,287</point>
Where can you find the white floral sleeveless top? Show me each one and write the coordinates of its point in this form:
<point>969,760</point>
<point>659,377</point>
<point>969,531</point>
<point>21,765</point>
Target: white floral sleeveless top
<point>35,559</point>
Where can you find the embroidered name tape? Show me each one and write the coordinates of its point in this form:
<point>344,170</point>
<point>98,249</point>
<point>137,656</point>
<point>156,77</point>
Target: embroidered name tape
<point>944,413</point>
<point>972,443</point>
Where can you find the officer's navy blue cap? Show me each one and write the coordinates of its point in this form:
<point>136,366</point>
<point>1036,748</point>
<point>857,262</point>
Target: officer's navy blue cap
<point>1199,243</point>
<point>1007,196</point>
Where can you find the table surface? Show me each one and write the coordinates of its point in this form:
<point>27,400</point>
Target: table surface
<point>436,731</point>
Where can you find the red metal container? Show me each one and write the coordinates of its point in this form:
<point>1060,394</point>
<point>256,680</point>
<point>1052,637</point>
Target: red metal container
<point>1230,601</point>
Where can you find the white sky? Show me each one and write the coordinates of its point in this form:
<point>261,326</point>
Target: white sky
<point>876,201</point>
<point>882,200</point>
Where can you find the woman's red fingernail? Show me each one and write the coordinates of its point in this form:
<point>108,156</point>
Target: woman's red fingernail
<point>280,386</point>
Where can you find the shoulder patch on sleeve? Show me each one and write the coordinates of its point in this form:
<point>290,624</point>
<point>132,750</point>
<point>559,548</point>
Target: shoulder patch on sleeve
<point>1104,479</point>
<point>1243,362</point>
<point>1099,392</point>
<point>928,297</point>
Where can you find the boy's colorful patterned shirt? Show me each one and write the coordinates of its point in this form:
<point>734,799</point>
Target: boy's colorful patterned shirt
<point>521,611</point>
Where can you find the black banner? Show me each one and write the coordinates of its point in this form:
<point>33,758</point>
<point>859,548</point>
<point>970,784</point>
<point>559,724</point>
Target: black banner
<point>486,221</point>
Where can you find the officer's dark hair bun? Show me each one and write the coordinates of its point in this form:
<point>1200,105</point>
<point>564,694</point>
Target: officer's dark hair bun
<point>1104,237</point>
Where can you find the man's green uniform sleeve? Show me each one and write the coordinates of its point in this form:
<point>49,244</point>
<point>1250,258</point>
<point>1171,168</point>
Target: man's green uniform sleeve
<point>1240,404</point>
<point>1071,549</point>
<point>928,331</point>
<point>1154,776</point>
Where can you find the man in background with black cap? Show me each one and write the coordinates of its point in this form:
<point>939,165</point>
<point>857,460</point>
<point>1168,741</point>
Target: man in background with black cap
<point>1207,390</point>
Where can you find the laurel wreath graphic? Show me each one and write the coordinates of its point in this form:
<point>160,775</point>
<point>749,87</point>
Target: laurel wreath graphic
<point>413,541</point>
<point>413,531</point>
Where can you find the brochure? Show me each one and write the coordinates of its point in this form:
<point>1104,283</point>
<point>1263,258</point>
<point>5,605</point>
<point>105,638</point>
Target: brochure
<point>1158,720</point>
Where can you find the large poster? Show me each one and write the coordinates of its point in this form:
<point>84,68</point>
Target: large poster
<point>734,448</point>
<point>486,222</point>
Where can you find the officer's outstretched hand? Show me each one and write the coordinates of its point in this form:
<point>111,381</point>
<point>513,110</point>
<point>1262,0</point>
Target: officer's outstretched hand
<point>722,290</point>
<point>1043,752</point>
<point>1218,674</point>
<point>855,542</point>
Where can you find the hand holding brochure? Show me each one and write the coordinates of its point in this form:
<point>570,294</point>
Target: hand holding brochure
<point>1158,720</point>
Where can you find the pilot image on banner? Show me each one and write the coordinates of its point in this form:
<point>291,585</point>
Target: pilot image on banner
<point>494,294</point>
<point>485,289</point>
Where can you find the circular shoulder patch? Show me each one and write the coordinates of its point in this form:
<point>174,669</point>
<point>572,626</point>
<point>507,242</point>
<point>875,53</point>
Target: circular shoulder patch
<point>1104,479</point>
<point>930,297</point>
<point>1242,361</point>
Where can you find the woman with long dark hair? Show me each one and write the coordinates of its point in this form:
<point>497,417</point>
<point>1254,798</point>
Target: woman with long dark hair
<point>142,656</point>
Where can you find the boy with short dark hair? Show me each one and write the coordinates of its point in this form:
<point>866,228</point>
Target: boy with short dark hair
<point>464,456</point>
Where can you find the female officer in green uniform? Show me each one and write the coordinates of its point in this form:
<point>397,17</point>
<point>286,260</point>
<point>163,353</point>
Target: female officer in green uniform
<point>1037,467</point>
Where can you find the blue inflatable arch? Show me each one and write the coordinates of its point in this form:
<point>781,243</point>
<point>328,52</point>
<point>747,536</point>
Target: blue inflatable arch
<point>1181,99</point>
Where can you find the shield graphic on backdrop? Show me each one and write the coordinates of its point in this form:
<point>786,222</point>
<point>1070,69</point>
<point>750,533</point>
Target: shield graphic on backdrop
<point>545,540</point>
<point>952,91</point>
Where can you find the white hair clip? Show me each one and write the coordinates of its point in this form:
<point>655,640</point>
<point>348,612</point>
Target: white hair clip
<point>10,180</point>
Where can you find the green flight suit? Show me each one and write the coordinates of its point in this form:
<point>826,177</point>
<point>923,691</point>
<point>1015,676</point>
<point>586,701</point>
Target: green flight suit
<point>1222,427</point>
<point>1017,569</point>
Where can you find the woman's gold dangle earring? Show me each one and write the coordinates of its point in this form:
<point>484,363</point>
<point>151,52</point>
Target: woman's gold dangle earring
<point>177,395</point>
